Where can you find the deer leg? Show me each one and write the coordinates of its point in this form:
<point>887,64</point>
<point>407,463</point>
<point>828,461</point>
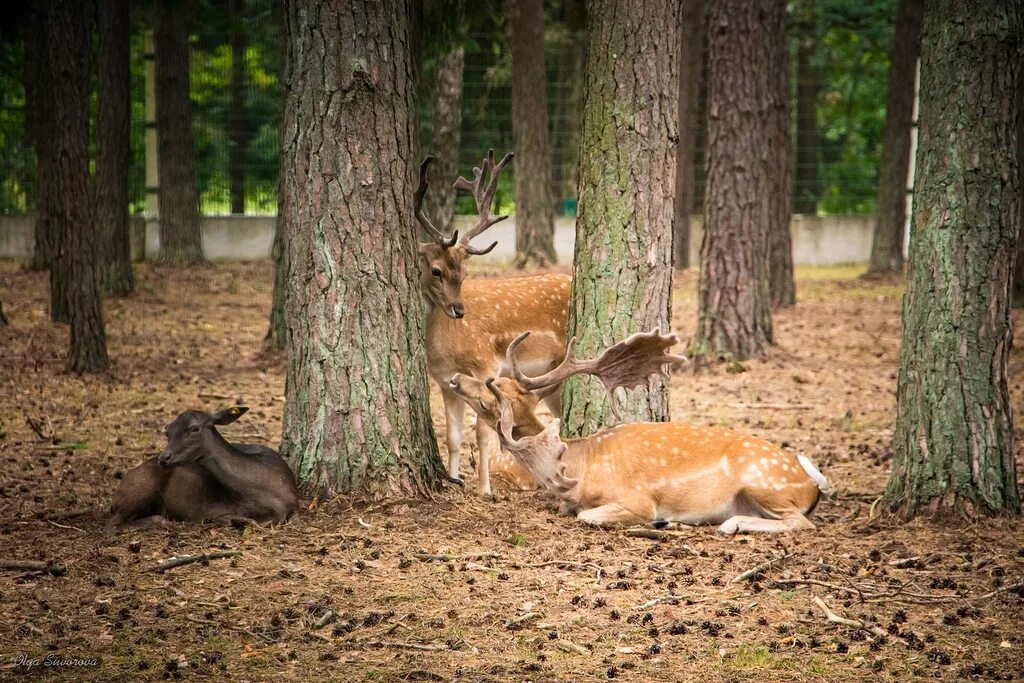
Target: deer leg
<point>143,523</point>
<point>487,443</point>
<point>791,521</point>
<point>614,514</point>
<point>454,412</point>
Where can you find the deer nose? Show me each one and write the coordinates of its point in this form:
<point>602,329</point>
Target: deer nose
<point>458,311</point>
<point>454,381</point>
<point>164,459</point>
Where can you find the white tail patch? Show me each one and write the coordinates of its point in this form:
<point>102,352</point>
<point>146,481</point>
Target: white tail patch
<point>814,474</point>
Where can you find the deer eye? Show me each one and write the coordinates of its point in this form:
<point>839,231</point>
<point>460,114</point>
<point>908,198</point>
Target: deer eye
<point>193,429</point>
<point>436,271</point>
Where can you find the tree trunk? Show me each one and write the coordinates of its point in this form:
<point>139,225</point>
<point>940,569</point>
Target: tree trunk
<point>535,211</point>
<point>77,260</point>
<point>238,133</point>
<point>807,184</point>
<point>691,54</point>
<point>779,159</point>
<point>1017,293</point>
<point>357,413</point>
<point>180,237</point>
<point>277,332</point>
<point>568,105</point>
<point>112,156</point>
<point>891,214</point>
<point>440,200</point>
<point>953,450</point>
<point>39,105</point>
<point>734,316</point>
<point>622,270</point>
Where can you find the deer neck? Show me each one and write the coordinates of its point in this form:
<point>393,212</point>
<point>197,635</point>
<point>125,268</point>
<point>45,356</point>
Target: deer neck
<point>234,470</point>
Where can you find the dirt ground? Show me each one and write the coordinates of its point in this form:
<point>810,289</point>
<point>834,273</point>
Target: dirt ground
<point>339,594</point>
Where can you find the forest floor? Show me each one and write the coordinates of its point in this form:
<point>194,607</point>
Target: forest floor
<point>339,594</point>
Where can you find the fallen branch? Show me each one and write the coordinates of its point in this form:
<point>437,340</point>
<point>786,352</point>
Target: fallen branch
<point>473,566</point>
<point>391,643</point>
<point>189,559</point>
<point>657,534</point>
<point>427,557</point>
<point>327,618</point>
<point>1003,589</point>
<point>852,623</point>
<point>220,397</point>
<point>569,646</point>
<point>50,566</point>
<point>564,563</point>
<point>773,406</point>
<point>521,619</point>
<point>764,566</point>
<point>669,599</point>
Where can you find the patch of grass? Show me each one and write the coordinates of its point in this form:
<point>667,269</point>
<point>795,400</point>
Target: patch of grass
<point>518,540</point>
<point>76,445</point>
<point>757,658</point>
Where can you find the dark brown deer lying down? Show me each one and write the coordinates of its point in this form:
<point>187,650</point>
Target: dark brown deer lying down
<point>200,476</point>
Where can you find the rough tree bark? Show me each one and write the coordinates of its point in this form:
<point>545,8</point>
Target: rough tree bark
<point>691,55</point>
<point>779,158</point>
<point>568,106</point>
<point>238,132</point>
<point>806,183</point>
<point>1017,295</point>
<point>39,105</point>
<point>112,155</point>
<point>953,451</point>
<point>357,414</point>
<point>180,237</point>
<point>622,270</point>
<point>77,259</point>
<point>535,211</point>
<point>440,200</point>
<point>891,213</point>
<point>734,314</point>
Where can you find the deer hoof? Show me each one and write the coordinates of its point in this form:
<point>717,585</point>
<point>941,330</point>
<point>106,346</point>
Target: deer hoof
<point>659,523</point>
<point>728,529</point>
<point>456,480</point>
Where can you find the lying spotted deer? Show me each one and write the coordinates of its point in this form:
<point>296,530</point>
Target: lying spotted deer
<point>645,472</point>
<point>470,324</point>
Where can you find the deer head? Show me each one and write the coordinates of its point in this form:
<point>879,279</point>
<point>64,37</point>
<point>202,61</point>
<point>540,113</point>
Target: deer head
<point>443,267</point>
<point>185,433</point>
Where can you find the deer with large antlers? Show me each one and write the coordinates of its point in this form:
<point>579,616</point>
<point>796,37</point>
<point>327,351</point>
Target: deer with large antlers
<point>471,323</point>
<point>647,472</point>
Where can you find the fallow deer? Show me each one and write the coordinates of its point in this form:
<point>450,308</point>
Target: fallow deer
<point>200,476</point>
<point>470,323</point>
<point>645,472</point>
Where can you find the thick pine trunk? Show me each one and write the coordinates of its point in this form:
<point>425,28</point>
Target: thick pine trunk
<point>891,214</point>
<point>568,105</point>
<point>238,134</point>
<point>112,157</point>
<point>39,104</point>
<point>357,413</point>
<point>622,271</point>
<point>77,261</point>
<point>180,237</point>
<point>440,200</point>
<point>535,213</point>
<point>691,55</point>
<point>807,184</point>
<point>734,314</point>
<point>953,450</point>
<point>779,159</point>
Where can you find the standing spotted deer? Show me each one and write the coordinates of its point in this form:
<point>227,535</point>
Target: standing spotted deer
<point>471,323</point>
<point>653,472</point>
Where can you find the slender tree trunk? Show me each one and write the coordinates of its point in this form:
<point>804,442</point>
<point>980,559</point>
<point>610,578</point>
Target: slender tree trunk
<point>891,215</point>
<point>700,136</point>
<point>535,215</point>
<point>691,53</point>
<point>77,259</point>
<point>568,106</point>
<point>779,159</point>
<point>807,184</point>
<point>39,104</point>
<point>237,129</point>
<point>1017,296</point>
<point>277,332</point>
<point>953,450</point>
<point>180,237</point>
<point>622,270</point>
<point>112,144</point>
<point>734,315</point>
<point>447,134</point>
<point>357,413</point>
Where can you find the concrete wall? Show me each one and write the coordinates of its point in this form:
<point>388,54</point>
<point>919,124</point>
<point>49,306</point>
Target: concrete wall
<point>831,240</point>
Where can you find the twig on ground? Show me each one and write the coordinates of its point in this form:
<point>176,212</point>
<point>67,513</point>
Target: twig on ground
<point>189,559</point>
<point>521,619</point>
<point>773,406</point>
<point>852,623</point>
<point>905,562</point>
<point>657,534</point>
<point>50,566</point>
<point>428,557</point>
<point>1001,589</point>
<point>327,618</point>
<point>569,646</point>
<point>64,526</point>
<point>669,599</point>
<point>391,643</point>
<point>764,566</point>
<point>564,563</point>
<point>474,567</point>
<point>221,397</point>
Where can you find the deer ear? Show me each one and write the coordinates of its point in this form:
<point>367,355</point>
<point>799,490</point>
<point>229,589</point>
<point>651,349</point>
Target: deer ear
<point>228,415</point>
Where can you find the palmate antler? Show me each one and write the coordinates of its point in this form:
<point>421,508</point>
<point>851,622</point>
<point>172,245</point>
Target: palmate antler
<point>483,196</point>
<point>626,364</point>
<point>540,454</point>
